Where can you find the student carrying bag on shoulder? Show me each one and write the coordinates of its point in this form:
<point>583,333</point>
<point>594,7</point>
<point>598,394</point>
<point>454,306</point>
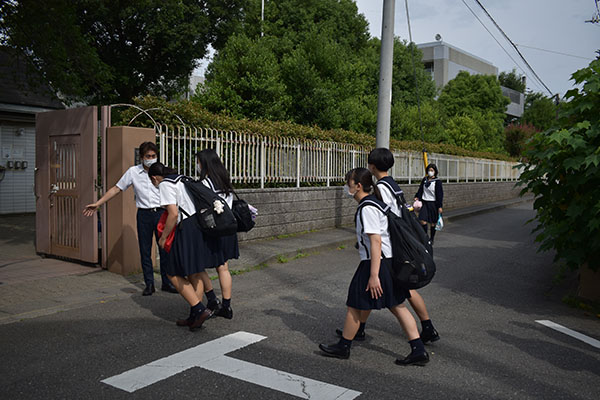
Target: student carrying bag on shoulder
<point>412,263</point>
<point>242,213</point>
<point>212,212</point>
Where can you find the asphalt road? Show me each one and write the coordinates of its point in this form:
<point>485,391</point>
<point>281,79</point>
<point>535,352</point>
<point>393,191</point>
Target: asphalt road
<point>490,289</point>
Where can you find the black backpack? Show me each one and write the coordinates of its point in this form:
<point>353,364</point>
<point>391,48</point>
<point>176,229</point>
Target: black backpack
<point>206,200</point>
<point>409,216</point>
<point>243,215</point>
<point>412,264</point>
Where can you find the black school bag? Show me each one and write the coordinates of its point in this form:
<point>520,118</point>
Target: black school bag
<point>242,214</point>
<point>205,200</point>
<point>410,217</point>
<point>412,264</point>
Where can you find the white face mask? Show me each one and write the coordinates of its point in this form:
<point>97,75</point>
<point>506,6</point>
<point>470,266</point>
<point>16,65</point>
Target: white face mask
<point>431,173</point>
<point>148,162</point>
<point>347,191</point>
<point>198,169</point>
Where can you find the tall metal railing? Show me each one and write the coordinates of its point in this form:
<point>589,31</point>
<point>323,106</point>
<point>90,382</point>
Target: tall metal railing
<point>257,159</point>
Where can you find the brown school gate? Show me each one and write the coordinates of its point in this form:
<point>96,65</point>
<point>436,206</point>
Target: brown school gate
<point>65,181</point>
<point>67,178</point>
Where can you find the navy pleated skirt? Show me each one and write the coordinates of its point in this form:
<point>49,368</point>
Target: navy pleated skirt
<point>429,212</point>
<point>192,252</point>
<point>360,299</point>
<point>230,247</point>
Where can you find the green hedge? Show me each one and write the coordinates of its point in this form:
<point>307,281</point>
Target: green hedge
<point>193,114</point>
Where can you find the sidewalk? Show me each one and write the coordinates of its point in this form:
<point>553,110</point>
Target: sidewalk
<point>31,286</point>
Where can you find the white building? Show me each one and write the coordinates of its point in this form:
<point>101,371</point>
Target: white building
<point>19,102</point>
<point>445,61</point>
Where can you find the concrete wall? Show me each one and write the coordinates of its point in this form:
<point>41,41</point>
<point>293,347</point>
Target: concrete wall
<point>291,210</point>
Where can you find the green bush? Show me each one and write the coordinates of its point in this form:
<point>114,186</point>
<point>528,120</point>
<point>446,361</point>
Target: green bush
<point>516,136</point>
<point>193,114</point>
<point>563,173</point>
<point>463,131</point>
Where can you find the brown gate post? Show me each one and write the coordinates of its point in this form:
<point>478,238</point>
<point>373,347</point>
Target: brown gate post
<point>121,232</point>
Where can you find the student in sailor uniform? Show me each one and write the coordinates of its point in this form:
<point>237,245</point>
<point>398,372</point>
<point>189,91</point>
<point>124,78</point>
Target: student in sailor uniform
<point>372,287</point>
<point>431,194</point>
<point>147,200</point>
<point>214,175</point>
<point>379,163</point>
<point>190,252</point>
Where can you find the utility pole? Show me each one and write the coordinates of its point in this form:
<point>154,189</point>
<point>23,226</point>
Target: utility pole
<point>384,102</point>
<point>262,16</point>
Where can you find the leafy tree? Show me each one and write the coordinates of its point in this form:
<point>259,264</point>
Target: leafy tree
<point>563,172</point>
<point>102,51</point>
<point>463,131</point>
<point>325,61</point>
<point>479,98</point>
<point>540,111</point>
<point>516,137</point>
<point>467,93</point>
<point>512,80</point>
<point>257,91</point>
<point>405,123</point>
<point>492,127</point>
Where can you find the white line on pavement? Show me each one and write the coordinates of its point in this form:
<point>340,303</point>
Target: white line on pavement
<point>570,332</point>
<point>282,381</point>
<point>146,375</point>
<point>211,356</point>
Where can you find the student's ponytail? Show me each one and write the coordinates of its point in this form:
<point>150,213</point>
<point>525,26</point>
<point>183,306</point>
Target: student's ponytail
<point>365,178</point>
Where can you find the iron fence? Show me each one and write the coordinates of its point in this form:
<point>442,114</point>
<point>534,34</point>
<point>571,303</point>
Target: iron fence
<point>256,159</point>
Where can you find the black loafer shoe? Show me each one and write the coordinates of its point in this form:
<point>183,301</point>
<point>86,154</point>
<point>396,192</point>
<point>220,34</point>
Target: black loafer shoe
<point>148,290</point>
<point>184,322</point>
<point>335,350</point>
<point>430,335</point>
<point>199,319</point>
<point>225,312</point>
<point>214,306</point>
<point>414,359</point>
<point>168,288</point>
<point>360,336</point>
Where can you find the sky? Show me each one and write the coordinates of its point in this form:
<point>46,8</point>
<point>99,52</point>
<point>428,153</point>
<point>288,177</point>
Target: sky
<point>555,25</point>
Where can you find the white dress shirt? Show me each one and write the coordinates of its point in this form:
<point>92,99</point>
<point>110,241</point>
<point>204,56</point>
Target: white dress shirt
<point>429,192</point>
<point>388,198</point>
<point>146,194</point>
<point>227,197</point>
<point>375,222</point>
<point>176,193</point>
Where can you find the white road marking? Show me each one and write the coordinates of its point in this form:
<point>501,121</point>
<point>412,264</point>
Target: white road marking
<point>211,356</point>
<point>278,380</point>
<point>570,332</point>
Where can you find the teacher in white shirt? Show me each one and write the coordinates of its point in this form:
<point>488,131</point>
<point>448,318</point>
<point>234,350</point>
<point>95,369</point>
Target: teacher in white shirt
<point>147,200</point>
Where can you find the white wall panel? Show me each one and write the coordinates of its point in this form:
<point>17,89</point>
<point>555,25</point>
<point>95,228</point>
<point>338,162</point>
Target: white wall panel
<point>16,189</point>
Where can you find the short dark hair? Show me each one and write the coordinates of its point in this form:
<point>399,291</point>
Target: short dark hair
<point>146,147</point>
<point>381,158</point>
<point>159,169</point>
<point>434,168</point>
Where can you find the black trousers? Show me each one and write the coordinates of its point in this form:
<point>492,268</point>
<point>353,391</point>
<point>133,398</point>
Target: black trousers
<point>147,219</point>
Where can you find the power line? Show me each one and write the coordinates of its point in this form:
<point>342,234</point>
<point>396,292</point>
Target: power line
<point>493,37</point>
<point>555,52</point>
<point>596,17</point>
<point>515,47</point>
